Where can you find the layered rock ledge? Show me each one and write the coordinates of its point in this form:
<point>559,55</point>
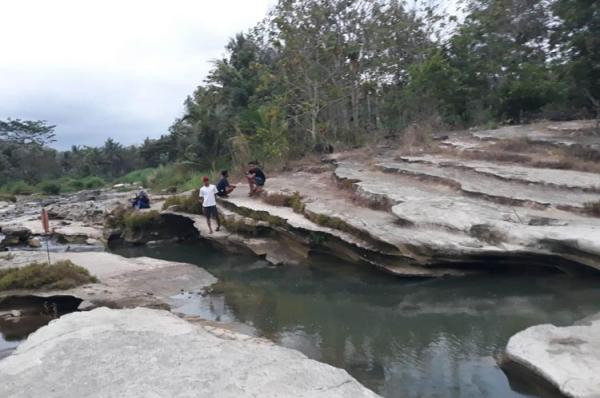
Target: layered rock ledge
<point>567,357</point>
<point>123,282</point>
<point>149,353</point>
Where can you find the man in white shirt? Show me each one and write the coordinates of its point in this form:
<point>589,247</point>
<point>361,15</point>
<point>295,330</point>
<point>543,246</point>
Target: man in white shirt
<point>209,203</point>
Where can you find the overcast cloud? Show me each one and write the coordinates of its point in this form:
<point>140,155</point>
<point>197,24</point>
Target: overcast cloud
<point>120,69</point>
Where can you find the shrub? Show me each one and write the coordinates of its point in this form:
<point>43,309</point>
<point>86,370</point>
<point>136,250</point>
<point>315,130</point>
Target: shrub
<point>139,220</point>
<point>50,188</point>
<point>138,176</point>
<point>19,188</point>
<point>92,182</point>
<point>294,201</point>
<point>186,204</point>
<point>60,275</point>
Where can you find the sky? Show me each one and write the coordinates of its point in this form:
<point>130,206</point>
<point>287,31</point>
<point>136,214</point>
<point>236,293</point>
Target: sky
<point>120,69</point>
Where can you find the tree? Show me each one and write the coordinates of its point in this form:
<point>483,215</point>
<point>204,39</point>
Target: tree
<point>24,132</point>
<point>577,36</point>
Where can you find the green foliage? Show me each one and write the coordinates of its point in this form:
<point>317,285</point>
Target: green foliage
<point>49,188</point>
<point>278,199</point>
<point>139,220</point>
<point>138,176</point>
<point>57,276</point>
<point>187,204</point>
<point>183,176</point>
<point>18,188</point>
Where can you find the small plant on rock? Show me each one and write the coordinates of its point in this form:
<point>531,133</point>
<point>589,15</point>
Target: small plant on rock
<point>58,276</point>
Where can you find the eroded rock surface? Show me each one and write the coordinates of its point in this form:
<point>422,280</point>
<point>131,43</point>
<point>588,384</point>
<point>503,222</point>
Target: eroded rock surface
<point>567,357</point>
<point>149,353</point>
<point>123,282</point>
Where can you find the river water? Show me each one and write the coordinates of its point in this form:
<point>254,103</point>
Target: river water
<point>401,338</point>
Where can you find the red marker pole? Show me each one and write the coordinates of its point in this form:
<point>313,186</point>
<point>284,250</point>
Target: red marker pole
<point>46,226</point>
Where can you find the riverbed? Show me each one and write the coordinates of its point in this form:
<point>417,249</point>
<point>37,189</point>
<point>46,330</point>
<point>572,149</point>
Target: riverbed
<point>399,337</point>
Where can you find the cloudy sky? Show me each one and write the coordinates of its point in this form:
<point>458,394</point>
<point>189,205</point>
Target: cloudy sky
<point>111,68</point>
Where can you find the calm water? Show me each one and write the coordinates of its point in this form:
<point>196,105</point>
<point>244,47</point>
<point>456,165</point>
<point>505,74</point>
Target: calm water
<point>401,338</point>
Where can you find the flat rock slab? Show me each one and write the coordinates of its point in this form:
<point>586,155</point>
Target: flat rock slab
<point>149,353</point>
<point>471,181</point>
<point>568,357</point>
<point>577,132</point>
<point>556,177</point>
<point>123,282</point>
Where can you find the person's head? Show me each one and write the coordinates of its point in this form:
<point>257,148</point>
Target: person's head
<point>206,181</point>
<point>225,173</point>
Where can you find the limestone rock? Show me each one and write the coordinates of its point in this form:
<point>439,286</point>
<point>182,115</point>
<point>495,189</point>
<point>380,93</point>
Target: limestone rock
<point>34,242</point>
<point>567,357</point>
<point>149,353</point>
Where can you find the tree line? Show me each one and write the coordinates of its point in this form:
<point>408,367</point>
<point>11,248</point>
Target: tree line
<point>316,73</point>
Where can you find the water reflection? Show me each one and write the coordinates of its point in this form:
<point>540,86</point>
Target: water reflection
<point>435,338</point>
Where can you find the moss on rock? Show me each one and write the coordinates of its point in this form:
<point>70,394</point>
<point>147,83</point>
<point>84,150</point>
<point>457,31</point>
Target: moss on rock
<point>41,276</point>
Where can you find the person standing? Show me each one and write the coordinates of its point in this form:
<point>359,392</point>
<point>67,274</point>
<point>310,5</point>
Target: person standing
<point>209,203</point>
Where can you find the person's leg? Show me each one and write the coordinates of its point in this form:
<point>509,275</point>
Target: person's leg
<point>251,184</point>
<point>216,211</point>
<point>229,189</point>
<point>207,215</point>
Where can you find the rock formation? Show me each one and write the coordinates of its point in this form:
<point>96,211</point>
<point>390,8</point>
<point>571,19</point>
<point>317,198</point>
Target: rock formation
<point>143,353</point>
<point>567,357</point>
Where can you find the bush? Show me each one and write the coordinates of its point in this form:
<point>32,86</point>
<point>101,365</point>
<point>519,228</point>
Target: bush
<point>49,188</point>
<point>137,177</point>
<point>93,182</point>
<point>138,220</point>
<point>294,201</point>
<point>188,204</point>
<point>60,275</point>
<point>19,188</point>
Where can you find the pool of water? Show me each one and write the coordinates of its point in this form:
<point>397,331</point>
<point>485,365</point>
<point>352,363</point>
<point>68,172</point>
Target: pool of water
<point>401,338</point>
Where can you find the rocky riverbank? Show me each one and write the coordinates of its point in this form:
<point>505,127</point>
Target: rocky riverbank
<point>566,357</point>
<point>142,352</point>
<point>452,211</point>
<point>456,207</point>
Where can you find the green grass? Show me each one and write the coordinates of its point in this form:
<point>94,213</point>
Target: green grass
<point>140,220</point>
<point>187,204</point>
<point>41,276</point>
<point>17,188</point>
<point>137,177</point>
<point>53,187</point>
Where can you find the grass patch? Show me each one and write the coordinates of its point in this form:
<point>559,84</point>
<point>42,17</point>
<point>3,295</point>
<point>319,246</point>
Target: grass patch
<point>187,204</point>
<point>592,208</point>
<point>137,177</point>
<point>278,199</point>
<point>237,225</point>
<point>18,188</point>
<point>60,275</point>
<point>53,187</point>
<point>137,221</point>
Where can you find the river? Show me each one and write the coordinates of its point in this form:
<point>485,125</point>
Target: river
<point>401,338</point>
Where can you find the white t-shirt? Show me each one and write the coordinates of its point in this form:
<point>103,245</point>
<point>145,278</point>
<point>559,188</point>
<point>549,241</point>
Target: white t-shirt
<point>208,193</point>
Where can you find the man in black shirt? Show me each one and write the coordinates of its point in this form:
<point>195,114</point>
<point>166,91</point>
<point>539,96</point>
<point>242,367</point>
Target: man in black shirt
<point>256,178</point>
<point>224,188</point>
